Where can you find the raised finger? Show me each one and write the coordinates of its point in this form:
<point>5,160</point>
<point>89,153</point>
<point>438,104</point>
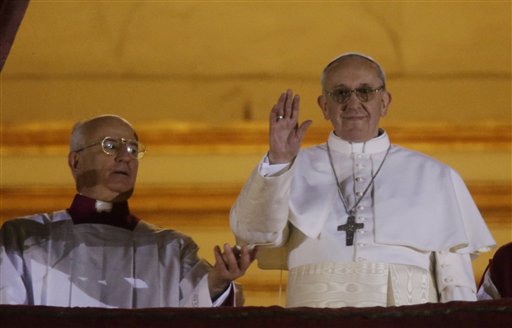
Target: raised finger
<point>219,258</point>
<point>230,257</point>
<point>301,131</point>
<point>277,111</point>
<point>244,259</point>
<point>288,104</point>
<point>294,115</point>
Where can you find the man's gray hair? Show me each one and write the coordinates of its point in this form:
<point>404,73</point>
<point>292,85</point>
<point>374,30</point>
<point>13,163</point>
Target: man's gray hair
<point>380,71</point>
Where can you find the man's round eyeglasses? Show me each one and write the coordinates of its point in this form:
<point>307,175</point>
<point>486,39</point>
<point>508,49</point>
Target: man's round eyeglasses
<point>112,146</point>
<point>364,94</point>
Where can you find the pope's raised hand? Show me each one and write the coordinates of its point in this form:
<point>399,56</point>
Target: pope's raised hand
<point>285,134</point>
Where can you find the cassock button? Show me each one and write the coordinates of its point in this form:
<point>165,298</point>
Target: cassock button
<point>360,207</point>
<point>359,179</point>
<point>359,194</point>
<point>362,219</point>
<point>448,279</point>
<point>360,244</point>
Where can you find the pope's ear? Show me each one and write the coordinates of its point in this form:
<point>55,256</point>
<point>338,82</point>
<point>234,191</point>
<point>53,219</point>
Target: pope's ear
<point>322,103</point>
<point>386,101</point>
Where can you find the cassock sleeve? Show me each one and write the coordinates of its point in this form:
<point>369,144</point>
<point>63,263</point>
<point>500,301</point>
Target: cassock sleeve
<point>260,213</point>
<point>454,277</point>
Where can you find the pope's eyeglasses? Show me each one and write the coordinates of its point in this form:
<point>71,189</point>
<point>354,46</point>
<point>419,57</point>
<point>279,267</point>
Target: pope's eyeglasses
<point>364,94</point>
<point>112,146</point>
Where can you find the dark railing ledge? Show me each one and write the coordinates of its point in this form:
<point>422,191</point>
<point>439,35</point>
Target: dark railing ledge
<point>495,313</point>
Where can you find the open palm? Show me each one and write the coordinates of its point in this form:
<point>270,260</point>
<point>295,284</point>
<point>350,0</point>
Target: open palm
<point>285,134</point>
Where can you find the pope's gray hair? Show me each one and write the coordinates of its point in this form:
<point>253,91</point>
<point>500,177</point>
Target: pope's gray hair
<point>379,70</point>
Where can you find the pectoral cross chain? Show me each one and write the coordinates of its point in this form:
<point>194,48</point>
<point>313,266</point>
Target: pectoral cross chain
<point>350,228</point>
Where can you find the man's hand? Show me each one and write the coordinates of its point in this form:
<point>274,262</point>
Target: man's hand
<point>285,134</point>
<point>229,266</point>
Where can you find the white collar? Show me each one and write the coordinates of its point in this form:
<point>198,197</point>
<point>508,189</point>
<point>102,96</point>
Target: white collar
<point>102,206</point>
<point>375,145</point>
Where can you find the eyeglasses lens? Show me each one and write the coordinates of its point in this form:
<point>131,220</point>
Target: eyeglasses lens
<point>343,95</point>
<point>113,146</point>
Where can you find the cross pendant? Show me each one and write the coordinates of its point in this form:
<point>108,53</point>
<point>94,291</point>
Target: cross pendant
<point>350,228</point>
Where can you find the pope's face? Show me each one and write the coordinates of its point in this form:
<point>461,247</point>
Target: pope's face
<point>102,176</point>
<point>354,120</point>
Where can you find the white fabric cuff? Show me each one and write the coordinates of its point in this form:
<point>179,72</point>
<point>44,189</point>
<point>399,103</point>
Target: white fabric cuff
<point>266,169</point>
<point>456,293</point>
<point>455,278</point>
<point>222,298</point>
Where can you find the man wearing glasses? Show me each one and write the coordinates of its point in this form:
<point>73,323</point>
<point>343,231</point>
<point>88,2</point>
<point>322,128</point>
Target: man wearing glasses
<point>358,221</point>
<point>97,253</point>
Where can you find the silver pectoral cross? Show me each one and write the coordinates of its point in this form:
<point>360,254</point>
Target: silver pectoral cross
<point>350,228</point>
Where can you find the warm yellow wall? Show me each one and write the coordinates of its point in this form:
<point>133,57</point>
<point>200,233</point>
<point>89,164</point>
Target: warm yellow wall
<point>227,61</point>
<point>173,65</point>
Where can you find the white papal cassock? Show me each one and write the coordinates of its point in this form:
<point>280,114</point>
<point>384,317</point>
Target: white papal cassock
<point>45,259</point>
<point>420,226</point>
